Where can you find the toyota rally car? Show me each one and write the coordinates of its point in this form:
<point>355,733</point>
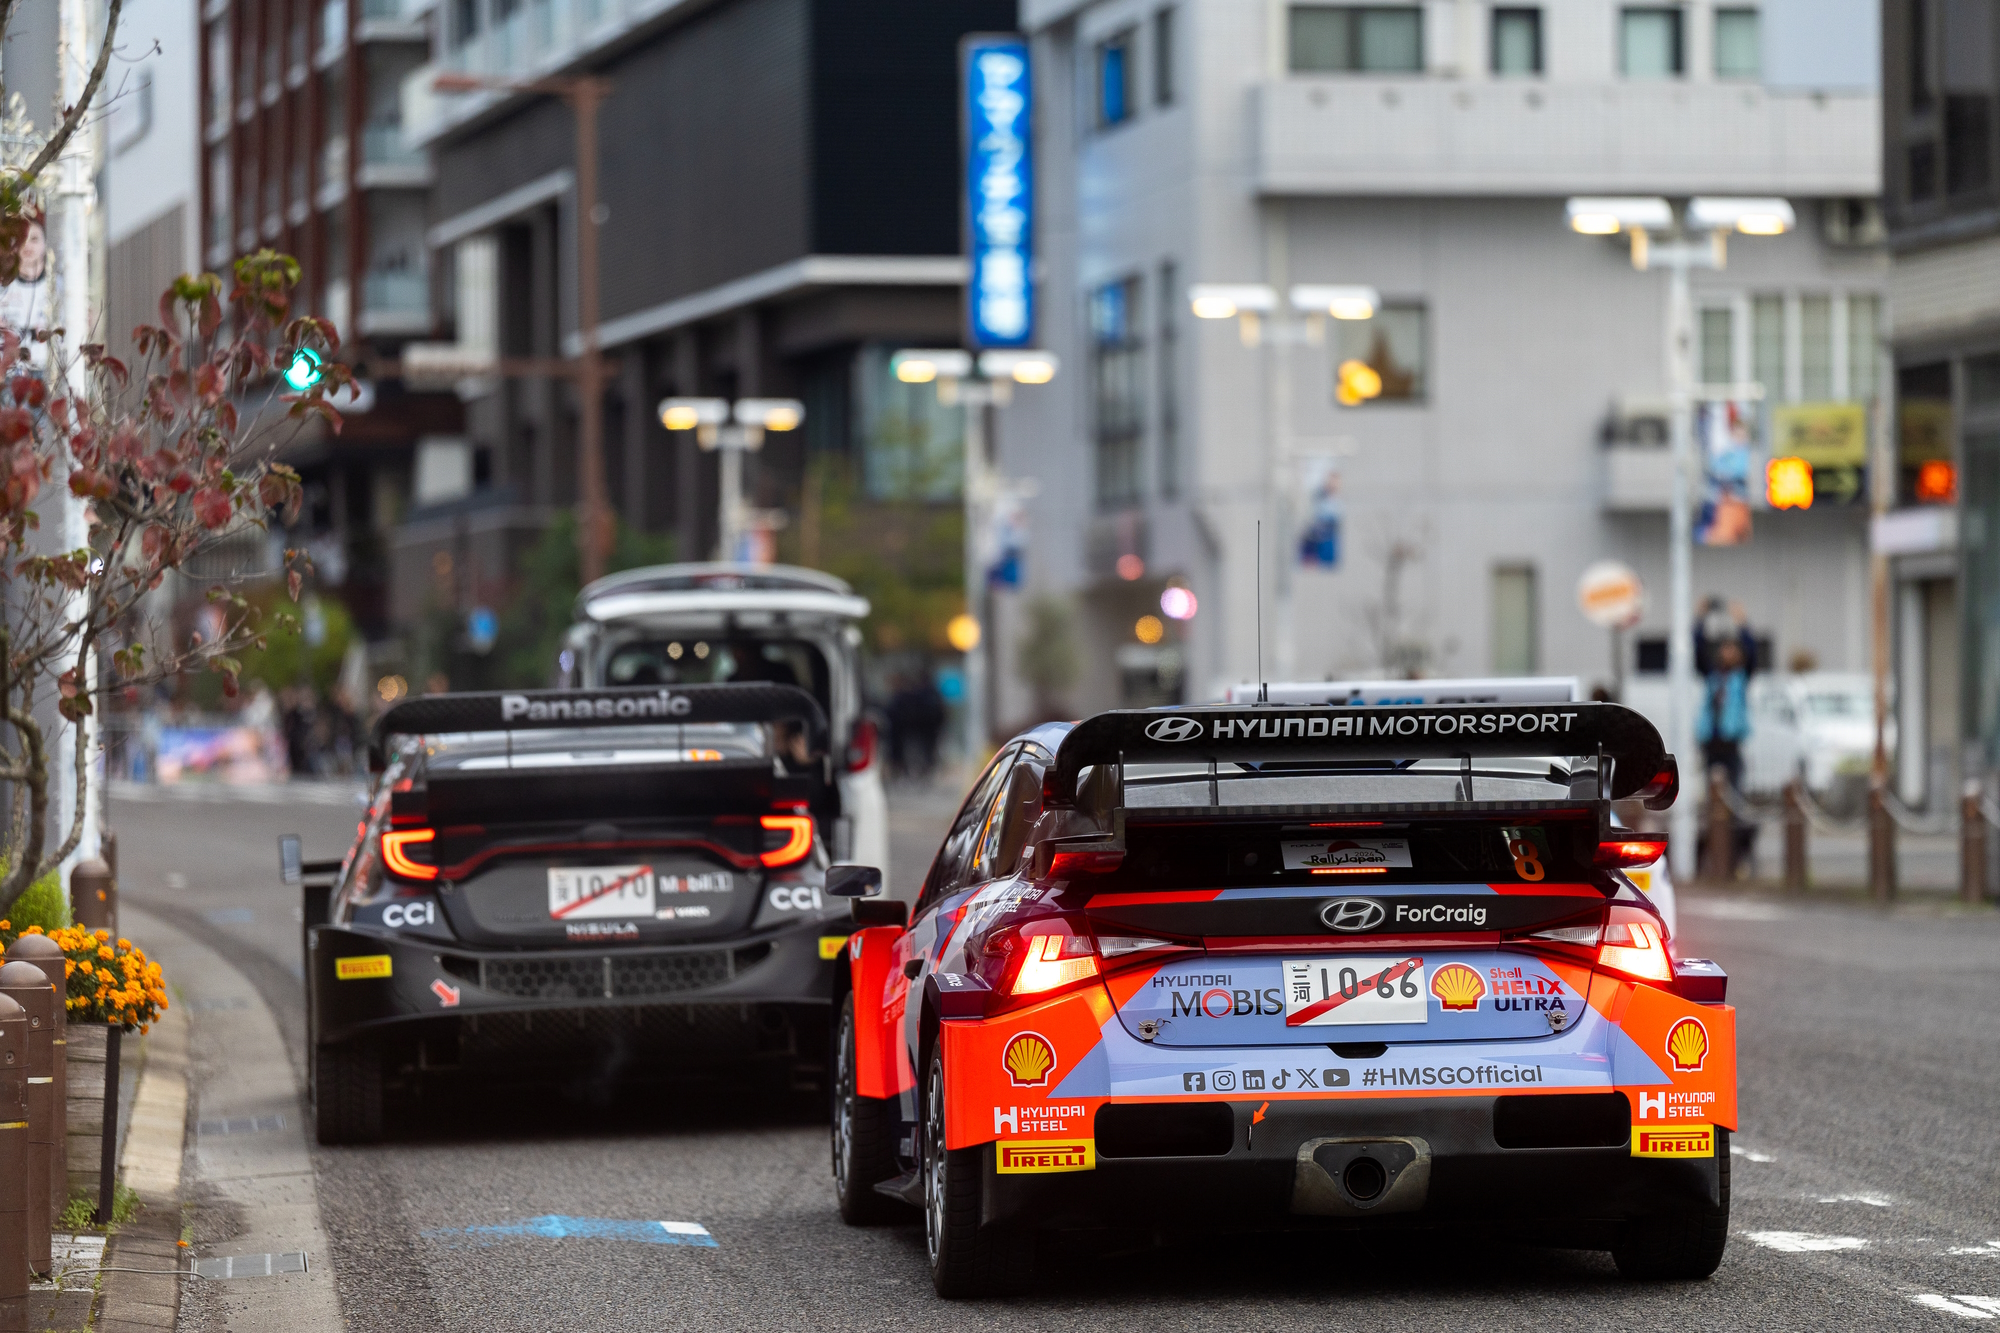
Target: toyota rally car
<point>1364,968</point>
<point>579,883</point>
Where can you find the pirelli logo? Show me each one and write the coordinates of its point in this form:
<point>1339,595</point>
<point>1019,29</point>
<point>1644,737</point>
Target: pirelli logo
<point>1025,1158</point>
<point>363,968</point>
<point>1678,1141</point>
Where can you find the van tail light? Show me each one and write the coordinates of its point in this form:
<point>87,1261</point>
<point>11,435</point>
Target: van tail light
<point>1631,851</point>
<point>395,854</point>
<point>1635,945</point>
<point>861,743</point>
<point>798,831</point>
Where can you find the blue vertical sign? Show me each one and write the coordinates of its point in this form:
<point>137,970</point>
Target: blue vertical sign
<point>999,168</point>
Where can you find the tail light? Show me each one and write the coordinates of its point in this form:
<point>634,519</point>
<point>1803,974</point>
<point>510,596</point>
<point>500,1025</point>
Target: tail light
<point>396,856</point>
<point>1026,962</point>
<point>861,744</point>
<point>1633,850</point>
<point>1635,945</point>
<point>798,831</point>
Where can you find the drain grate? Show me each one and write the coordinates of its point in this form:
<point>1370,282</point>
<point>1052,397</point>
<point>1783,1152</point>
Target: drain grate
<point>249,1124</point>
<point>251,1265</point>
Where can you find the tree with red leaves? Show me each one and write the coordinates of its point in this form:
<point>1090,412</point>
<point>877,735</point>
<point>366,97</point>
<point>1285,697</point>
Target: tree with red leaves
<point>171,458</point>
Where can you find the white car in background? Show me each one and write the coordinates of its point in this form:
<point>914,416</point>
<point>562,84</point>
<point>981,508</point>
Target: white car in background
<point>720,623</point>
<point>1823,720</point>
<point>1654,880</point>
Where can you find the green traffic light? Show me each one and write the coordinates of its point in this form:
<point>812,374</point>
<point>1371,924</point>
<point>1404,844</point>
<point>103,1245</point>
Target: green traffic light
<point>304,372</point>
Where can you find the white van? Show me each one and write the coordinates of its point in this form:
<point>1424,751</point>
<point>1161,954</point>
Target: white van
<point>716,623</point>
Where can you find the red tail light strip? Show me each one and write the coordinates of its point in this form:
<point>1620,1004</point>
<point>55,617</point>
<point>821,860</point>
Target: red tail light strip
<point>398,861</point>
<point>798,831</point>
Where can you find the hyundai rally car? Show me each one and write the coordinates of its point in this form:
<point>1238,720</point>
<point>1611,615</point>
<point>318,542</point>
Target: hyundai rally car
<point>1366,968</point>
<point>579,883</point>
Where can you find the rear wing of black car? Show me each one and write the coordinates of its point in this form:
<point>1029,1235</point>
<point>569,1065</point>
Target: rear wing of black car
<point>1621,750</point>
<point>543,710</point>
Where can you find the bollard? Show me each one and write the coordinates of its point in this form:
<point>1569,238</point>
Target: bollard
<point>46,954</point>
<point>26,985</point>
<point>13,1166</point>
<point>107,1162</point>
<point>93,895</point>
<point>1795,837</point>
<point>1720,861</point>
<point>1881,845</point>
<point>1972,845</point>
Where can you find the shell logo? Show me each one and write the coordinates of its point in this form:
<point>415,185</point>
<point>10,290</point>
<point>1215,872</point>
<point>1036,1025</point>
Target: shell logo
<point>1457,987</point>
<point>1687,1045</point>
<point>1029,1060</point>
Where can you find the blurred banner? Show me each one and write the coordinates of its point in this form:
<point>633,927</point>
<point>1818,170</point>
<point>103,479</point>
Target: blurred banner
<point>1832,439</point>
<point>1319,539</point>
<point>1724,433</point>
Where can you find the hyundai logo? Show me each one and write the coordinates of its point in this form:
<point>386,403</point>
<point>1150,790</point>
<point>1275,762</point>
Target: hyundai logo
<point>1173,729</point>
<point>1353,914</point>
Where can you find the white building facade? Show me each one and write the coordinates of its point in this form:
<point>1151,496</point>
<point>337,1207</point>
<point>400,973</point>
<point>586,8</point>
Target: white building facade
<point>1424,150</point>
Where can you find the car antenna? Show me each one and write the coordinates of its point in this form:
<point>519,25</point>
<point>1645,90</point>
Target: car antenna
<point>1263,686</point>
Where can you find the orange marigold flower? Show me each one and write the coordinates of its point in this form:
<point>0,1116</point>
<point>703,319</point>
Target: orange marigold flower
<point>89,967</point>
<point>124,943</point>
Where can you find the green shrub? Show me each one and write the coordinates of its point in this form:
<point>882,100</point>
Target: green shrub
<point>42,903</point>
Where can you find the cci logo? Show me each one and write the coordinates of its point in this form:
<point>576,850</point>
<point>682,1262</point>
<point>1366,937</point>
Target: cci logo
<point>1173,729</point>
<point>1029,1060</point>
<point>1687,1045</point>
<point>1352,914</point>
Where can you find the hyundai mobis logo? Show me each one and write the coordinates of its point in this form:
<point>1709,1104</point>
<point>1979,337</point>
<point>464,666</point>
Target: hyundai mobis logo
<point>1353,914</point>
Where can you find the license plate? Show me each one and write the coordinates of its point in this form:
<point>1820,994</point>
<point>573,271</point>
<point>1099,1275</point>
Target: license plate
<point>1348,991</point>
<point>1347,854</point>
<point>600,893</point>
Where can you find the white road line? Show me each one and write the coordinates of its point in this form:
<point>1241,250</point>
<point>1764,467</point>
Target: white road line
<point>1803,1242</point>
<point>1965,1307</point>
<point>1991,1247</point>
<point>1872,1200</point>
<point>1738,1150</point>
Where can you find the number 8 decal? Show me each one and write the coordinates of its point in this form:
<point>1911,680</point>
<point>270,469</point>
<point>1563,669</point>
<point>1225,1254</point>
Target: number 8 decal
<point>1527,860</point>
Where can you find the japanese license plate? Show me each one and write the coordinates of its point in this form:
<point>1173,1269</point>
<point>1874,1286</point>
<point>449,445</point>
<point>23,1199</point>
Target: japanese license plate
<point>598,893</point>
<point>1350,990</point>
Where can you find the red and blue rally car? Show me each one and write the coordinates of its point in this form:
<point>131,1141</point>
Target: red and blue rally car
<point>1314,966</point>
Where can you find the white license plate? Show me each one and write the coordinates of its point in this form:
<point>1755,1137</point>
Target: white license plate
<point>599,893</point>
<point>1347,853</point>
<point>1349,990</point>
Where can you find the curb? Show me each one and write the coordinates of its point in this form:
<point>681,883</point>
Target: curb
<point>151,1166</point>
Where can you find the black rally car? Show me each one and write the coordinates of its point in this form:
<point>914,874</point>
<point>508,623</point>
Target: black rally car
<point>564,884</point>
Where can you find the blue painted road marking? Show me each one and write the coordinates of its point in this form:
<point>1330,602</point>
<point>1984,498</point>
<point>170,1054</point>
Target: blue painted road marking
<point>555,1227</point>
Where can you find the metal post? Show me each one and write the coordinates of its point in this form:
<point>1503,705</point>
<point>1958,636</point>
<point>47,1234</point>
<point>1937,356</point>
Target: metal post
<point>93,895</point>
<point>1972,845</point>
<point>1721,848</point>
<point>594,528</point>
<point>1881,828</point>
<point>729,501</point>
<point>976,396</point>
<point>1282,481</point>
<point>29,987</point>
<point>107,1162</point>
<point>44,953</point>
<point>13,1166</point>
<point>1796,873</point>
<point>1680,543</point>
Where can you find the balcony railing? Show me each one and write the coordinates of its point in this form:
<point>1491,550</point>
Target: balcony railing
<point>396,292</point>
<point>383,146</point>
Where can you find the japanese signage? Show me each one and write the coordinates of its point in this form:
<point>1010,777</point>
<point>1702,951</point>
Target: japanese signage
<point>999,299</point>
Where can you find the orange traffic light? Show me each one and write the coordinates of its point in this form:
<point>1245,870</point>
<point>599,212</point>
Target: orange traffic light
<point>1937,482</point>
<point>1788,483</point>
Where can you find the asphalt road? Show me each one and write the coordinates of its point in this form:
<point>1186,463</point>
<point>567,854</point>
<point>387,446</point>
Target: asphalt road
<point>1867,1189</point>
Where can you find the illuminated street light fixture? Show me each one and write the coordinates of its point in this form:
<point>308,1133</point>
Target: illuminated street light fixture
<point>1706,224</point>
<point>1227,300</point>
<point>921,365</point>
<point>733,429</point>
<point>1023,366</point>
<point>1339,302</point>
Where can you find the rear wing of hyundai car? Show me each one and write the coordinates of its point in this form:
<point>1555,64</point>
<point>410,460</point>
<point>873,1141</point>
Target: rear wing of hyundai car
<point>642,706</point>
<point>1613,753</point>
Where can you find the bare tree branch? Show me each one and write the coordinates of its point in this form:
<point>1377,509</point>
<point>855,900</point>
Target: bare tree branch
<point>73,116</point>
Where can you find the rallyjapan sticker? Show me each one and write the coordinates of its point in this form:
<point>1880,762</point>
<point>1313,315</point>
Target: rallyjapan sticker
<point>1347,853</point>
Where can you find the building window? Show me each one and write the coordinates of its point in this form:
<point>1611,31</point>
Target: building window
<point>1169,382</point>
<point>1649,43</point>
<point>1392,345</point>
<point>1356,39</point>
<point>218,74</point>
<point>1864,314</point>
<point>464,21</point>
<point>220,186</point>
<point>1114,80</point>
<point>1737,53</point>
<point>1517,41</point>
<point>1815,349</point>
<point>1117,361</point>
<point>1767,345</point>
<point>912,446</point>
<point>1163,57</point>
<point>1968,142</point>
<point>1718,347</point>
<point>1515,637</point>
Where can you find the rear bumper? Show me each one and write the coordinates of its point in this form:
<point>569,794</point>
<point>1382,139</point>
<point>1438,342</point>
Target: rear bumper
<point>362,980</point>
<point>1449,1172</point>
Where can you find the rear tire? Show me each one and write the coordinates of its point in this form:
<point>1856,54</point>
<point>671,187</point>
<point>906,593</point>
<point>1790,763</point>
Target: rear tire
<point>347,1093</point>
<point>864,1139</point>
<point>1683,1245</point>
<point>967,1259</point>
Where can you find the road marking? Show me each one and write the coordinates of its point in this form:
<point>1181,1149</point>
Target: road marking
<point>251,1265</point>
<point>252,1124</point>
<point>1738,1150</point>
<point>556,1227</point>
<point>1965,1307</point>
<point>1872,1200</point>
<point>1990,1247</point>
<point>1803,1242</point>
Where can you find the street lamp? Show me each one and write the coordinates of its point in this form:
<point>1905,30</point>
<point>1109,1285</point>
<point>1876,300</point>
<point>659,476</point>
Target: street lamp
<point>1252,305</point>
<point>1706,224</point>
<point>979,381</point>
<point>733,429</point>
<point>584,93</point>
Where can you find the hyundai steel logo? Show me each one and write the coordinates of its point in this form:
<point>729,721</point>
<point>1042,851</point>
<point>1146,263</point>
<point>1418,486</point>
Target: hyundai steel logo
<point>1353,914</point>
<point>1173,729</point>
